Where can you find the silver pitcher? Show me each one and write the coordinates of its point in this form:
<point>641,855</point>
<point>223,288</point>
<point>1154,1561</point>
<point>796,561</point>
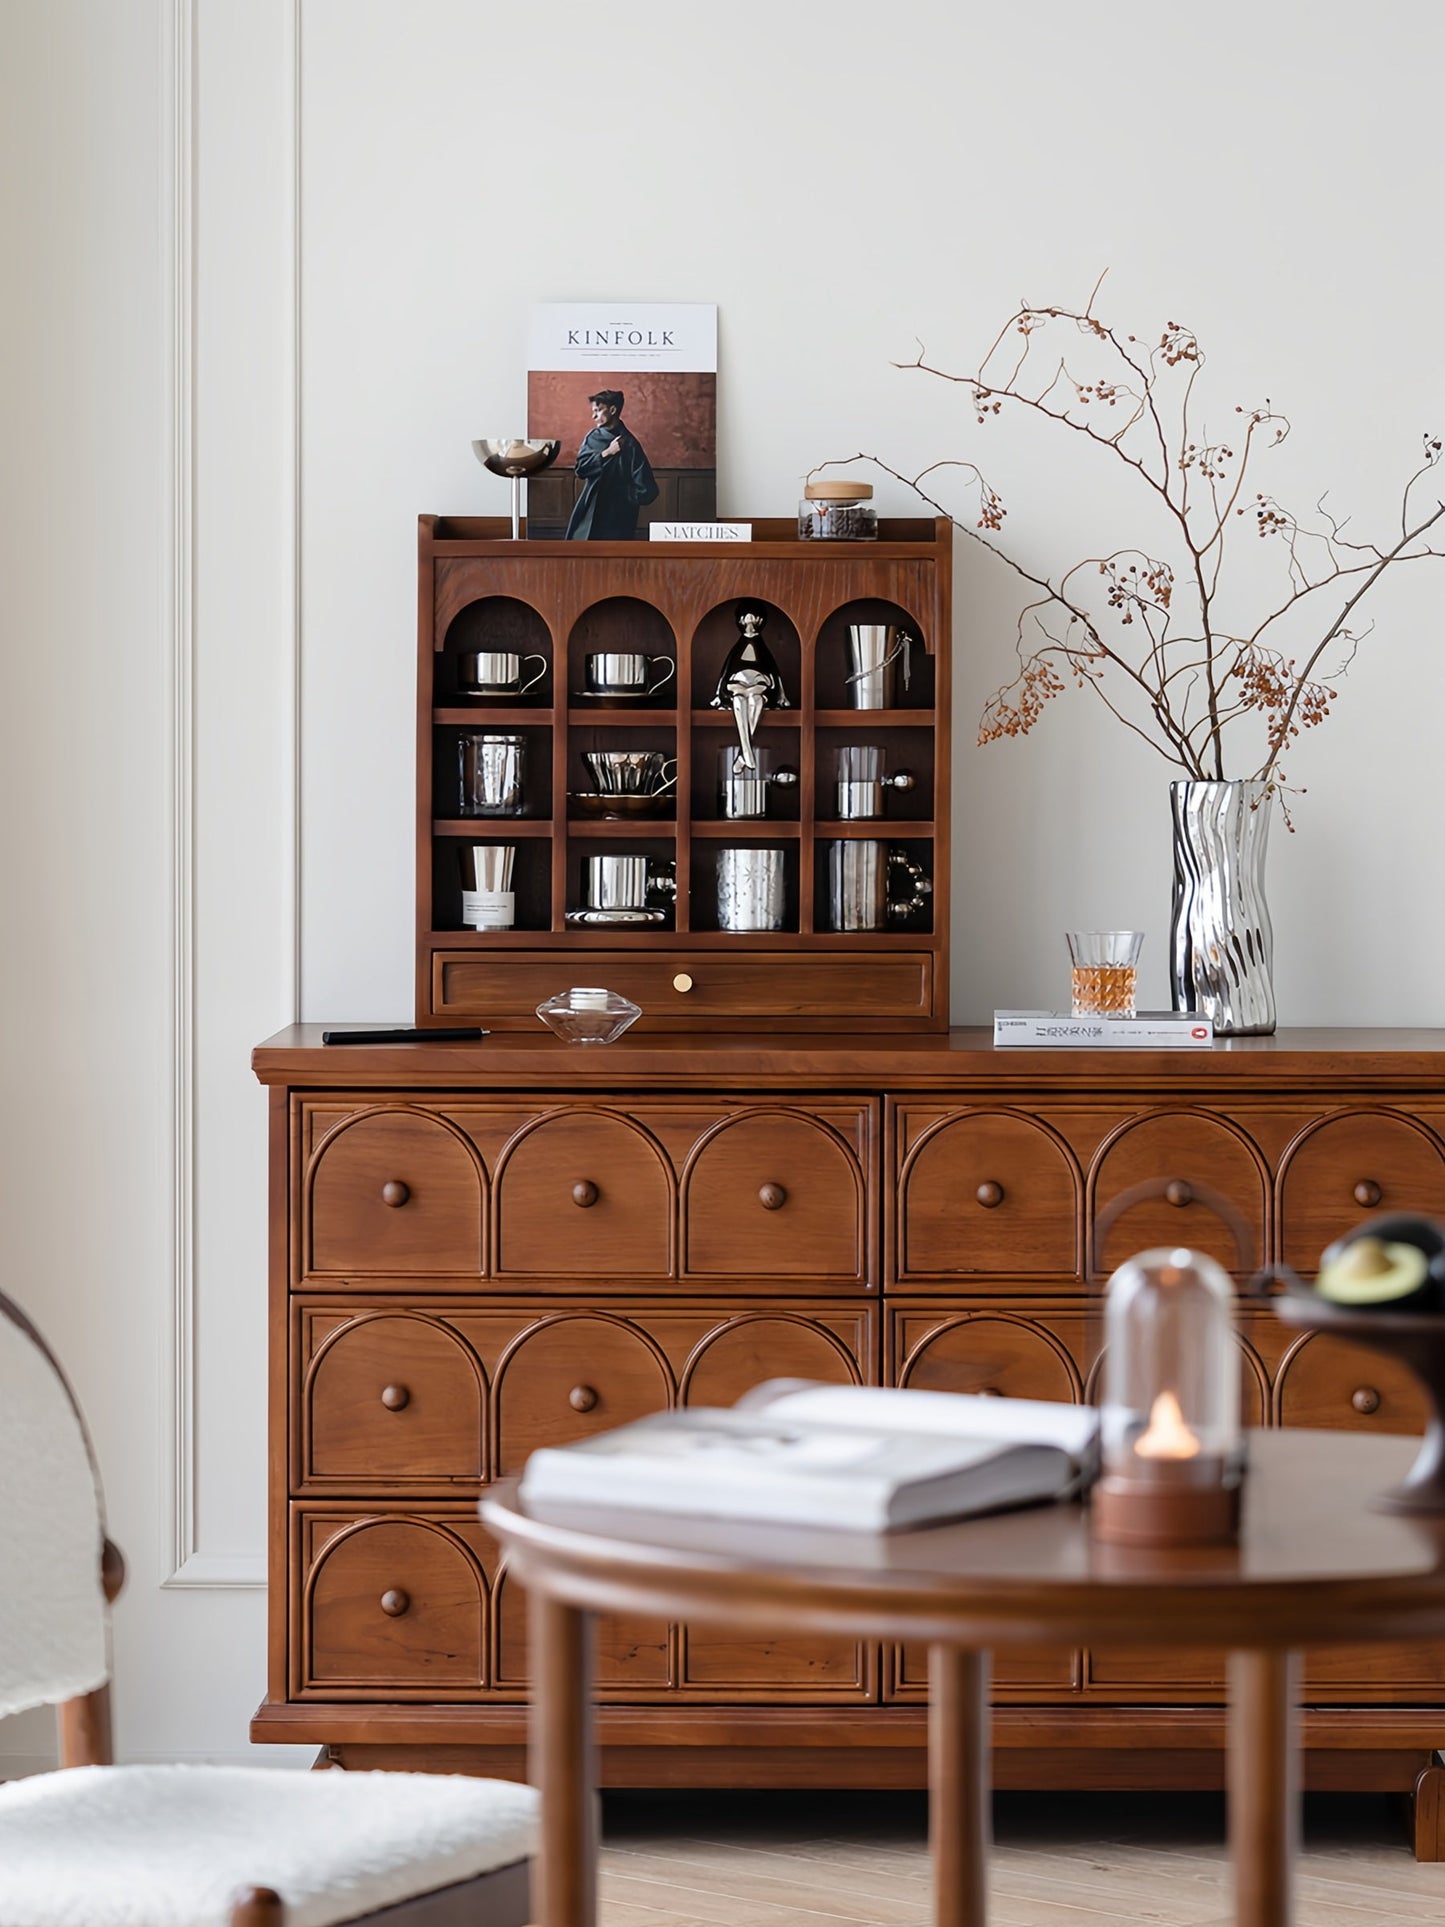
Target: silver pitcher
<point>751,889</point>
<point>861,876</point>
<point>877,649</point>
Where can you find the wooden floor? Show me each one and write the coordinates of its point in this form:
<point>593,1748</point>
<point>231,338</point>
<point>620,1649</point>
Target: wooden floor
<point>1060,1860</point>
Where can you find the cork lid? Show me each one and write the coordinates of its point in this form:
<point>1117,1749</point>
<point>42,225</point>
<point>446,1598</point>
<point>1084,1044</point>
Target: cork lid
<point>837,491</point>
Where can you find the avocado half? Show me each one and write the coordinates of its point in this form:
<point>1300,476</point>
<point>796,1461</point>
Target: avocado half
<point>1395,1262</point>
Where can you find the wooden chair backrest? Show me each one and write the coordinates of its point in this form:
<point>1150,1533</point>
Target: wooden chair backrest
<point>54,1600</point>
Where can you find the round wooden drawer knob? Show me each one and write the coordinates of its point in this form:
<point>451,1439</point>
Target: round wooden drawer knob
<point>394,1602</point>
<point>582,1398</point>
<point>396,1398</point>
<point>1367,1193</point>
<point>1365,1400</point>
<point>394,1192</point>
<point>989,1194</point>
<point>1179,1192</point>
<point>682,982</point>
<point>584,1194</point>
<point>772,1197</point>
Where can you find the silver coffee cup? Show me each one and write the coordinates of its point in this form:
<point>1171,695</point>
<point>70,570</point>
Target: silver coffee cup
<point>751,889</point>
<point>861,880</point>
<point>497,673</point>
<point>625,882</point>
<point>627,673</point>
<point>743,791</point>
<point>631,772</point>
<point>491,768</point>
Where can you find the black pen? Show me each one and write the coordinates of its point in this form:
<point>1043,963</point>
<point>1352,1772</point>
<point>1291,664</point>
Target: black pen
<point>467,1034</point>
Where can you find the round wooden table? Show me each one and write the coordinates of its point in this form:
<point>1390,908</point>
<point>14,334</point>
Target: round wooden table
<point>1315,1566</point>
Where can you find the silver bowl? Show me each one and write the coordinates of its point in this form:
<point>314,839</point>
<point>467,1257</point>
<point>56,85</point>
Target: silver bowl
<point>507,455</point>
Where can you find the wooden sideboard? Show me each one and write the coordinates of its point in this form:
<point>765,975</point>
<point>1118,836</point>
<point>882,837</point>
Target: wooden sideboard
<point>480,1248</point>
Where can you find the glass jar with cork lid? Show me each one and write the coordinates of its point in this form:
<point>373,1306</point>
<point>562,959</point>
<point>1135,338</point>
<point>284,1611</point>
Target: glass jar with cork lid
<point>835,511</point>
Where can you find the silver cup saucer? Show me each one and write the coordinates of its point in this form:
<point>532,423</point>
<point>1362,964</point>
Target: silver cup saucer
<point>611,695</point>
<point>588,919</point>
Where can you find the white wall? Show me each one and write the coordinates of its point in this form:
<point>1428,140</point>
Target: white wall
<point>1261,177</point>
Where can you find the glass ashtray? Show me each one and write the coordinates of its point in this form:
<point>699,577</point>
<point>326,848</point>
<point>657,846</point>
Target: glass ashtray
<point>588,1016</point>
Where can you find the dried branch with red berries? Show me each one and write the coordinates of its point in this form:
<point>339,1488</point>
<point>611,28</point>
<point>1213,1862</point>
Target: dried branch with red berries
<point>1155,636</point>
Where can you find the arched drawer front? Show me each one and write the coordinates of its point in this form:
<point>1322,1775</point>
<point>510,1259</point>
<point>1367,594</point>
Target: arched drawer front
<point>1323,1381</point>
<point>391,1398</point>
<point>628,1651</point>
<point>394,1603</point>
<point>774,1194</point>
<point>747,1350</point>
<point>1193,1153</point>
<point>1350,1166</point>
<point>584,1193</point>
<point>567,1378</point>
<point>394,1192</point>
<point>992,1353</point>
<point>988,1192</point>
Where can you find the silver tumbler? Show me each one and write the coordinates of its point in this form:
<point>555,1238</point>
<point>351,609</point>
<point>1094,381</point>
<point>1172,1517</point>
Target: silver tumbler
<point>491,768</point>
<point>751,889</point>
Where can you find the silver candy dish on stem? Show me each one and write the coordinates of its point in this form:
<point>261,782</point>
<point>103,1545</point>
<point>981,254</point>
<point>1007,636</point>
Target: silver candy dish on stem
<point>510,455</point>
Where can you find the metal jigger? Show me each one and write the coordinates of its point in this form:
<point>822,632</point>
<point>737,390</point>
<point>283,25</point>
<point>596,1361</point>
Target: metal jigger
<point>506,455</point>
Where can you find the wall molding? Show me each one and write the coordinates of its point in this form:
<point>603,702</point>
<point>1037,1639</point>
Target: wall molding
<point>185,1564</point>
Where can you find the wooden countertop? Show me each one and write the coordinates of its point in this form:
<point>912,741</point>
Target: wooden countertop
<point>1350,1060</point>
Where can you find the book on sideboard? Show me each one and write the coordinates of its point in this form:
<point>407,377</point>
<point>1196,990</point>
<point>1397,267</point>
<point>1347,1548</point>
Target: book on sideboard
<point>1147,1030</point>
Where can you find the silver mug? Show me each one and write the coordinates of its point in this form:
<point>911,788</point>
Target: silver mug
<point>861,876</point>
<point>877,649</point>
<point>626,882</point>
<point>862,781</point>
<point>631,772</point>
<point>491,768</point>
<point>626,672</point>
<point>751,888</point>
<point>497,673</point>
<point>743,792</point>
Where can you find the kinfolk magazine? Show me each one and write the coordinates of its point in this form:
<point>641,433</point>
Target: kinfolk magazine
<point>630,391</point>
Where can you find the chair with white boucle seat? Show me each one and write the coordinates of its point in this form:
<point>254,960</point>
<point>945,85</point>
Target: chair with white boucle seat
<point>97,1845</point>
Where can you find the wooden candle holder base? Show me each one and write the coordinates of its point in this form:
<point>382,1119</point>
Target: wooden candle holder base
<point>1167,1511</point>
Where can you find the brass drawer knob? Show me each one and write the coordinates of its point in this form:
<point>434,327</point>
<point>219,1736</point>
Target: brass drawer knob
<point>991,1391</point>
<point>584,1194</point>
<point>395,1398</point>
<point>772,1197</point>
<point>1366,1399</point>
<point>395,1193</point>
<point>1179,1192</point>
<point>682,982</point>
<point>1367,1193</point>
<point>989,1194</point>
<point>582,1398</point>
<point>394,1602</point>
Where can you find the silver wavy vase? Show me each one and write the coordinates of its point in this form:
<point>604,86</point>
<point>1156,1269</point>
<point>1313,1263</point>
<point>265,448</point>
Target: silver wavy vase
<point>1221,947</point>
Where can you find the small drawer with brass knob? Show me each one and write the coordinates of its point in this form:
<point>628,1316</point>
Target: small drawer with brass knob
<point>391,1601</point>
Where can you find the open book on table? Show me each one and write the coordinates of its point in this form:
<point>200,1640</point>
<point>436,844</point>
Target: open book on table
<point>851,1456</point>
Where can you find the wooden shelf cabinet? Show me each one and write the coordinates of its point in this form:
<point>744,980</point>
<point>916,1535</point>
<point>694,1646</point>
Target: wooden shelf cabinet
<point>564,600</point>
<point>479,1249</point>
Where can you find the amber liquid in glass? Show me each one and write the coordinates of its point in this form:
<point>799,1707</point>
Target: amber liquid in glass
<point>1104,990</point>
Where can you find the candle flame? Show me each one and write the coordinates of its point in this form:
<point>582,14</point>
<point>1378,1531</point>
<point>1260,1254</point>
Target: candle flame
<point>1167,1437</point>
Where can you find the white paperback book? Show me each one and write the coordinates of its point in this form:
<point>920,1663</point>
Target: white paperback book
<point>853,1457</point>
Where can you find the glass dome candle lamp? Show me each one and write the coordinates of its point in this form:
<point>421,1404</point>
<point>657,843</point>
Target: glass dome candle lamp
<point>1171,1450</point>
